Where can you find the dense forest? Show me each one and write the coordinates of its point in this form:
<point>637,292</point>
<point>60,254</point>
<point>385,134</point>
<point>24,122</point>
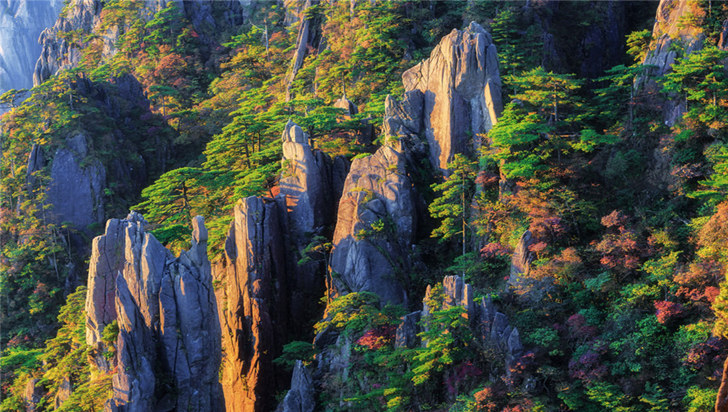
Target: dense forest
<point>368,205</point>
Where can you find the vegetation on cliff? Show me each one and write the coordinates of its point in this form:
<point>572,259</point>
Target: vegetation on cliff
<point>619,296</point>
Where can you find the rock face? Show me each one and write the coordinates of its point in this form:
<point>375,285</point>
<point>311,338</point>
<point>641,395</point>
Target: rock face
<point>668,28</point>
<point>301,396</point>
<point>375,227</point>
<point>168,346</point>
<point>521,259</point>
<point>308,38</point>
<point>253,314</point>
<point>265,297</point>
<point>305,184</point>
<point>21,22</point>
<point>58,52</point>
<point>308,193</point>
<point>32,394</point>
<point>462,92</point>
<point>76,188</point>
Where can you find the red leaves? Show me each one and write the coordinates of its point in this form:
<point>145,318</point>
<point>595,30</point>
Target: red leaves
<point>668,310</point>
<point>378,337</point>
<point>620,248</point>
<point>492,250</point>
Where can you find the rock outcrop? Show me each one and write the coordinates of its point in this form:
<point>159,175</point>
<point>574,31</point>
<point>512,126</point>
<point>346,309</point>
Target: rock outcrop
<point>59,52</point>
<point>308,193</point>
<point>462,92</point>
<point>32,394</point>
<point>375,228</point>
<point>168,346</point>
<point>252,297</point>
<point>309,37</point>
<point>302,396</point>
<point>521,259</point>
<point>265,296</point>
<point>306,185</point>
<point>670,28</point>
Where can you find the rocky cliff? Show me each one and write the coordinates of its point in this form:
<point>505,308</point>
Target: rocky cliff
<point>21,22</point>
<point>375,229</point>
<point>265,297</point>
<point>168,344</point>
<point>59,50</point>
<point>671,30</point>
<point>254,283</point>
<point>310,186</point>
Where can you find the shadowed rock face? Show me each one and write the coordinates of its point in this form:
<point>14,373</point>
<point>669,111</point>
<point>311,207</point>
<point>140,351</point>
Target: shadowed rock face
<point>308,191</point>
<point>76,190</point>
<point>301,396</point>
<point>462,92</point>
<point>168,346</point>
<point>374,229</point>
<point>253,305</point>
<point>306,185</point>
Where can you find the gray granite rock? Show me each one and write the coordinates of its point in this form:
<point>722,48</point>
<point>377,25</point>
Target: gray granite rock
<point>166,312</point>
<point>375,227</point>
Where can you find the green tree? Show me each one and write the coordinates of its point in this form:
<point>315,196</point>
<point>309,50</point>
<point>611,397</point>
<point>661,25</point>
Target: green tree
<point>701,79</point>
<point>453,205</point>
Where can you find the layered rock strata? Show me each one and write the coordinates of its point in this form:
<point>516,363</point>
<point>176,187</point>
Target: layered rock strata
<point>168,344</point>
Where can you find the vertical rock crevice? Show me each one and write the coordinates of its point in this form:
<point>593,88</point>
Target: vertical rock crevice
<point>163,306</point>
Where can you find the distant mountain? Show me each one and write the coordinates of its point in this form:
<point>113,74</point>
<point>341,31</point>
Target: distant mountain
<point>21,22</point>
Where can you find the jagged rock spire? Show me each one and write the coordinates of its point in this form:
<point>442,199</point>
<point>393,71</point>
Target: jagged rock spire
<point>169,334</point>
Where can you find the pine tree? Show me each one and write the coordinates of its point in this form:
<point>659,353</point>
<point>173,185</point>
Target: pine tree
<point>453,205</point>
